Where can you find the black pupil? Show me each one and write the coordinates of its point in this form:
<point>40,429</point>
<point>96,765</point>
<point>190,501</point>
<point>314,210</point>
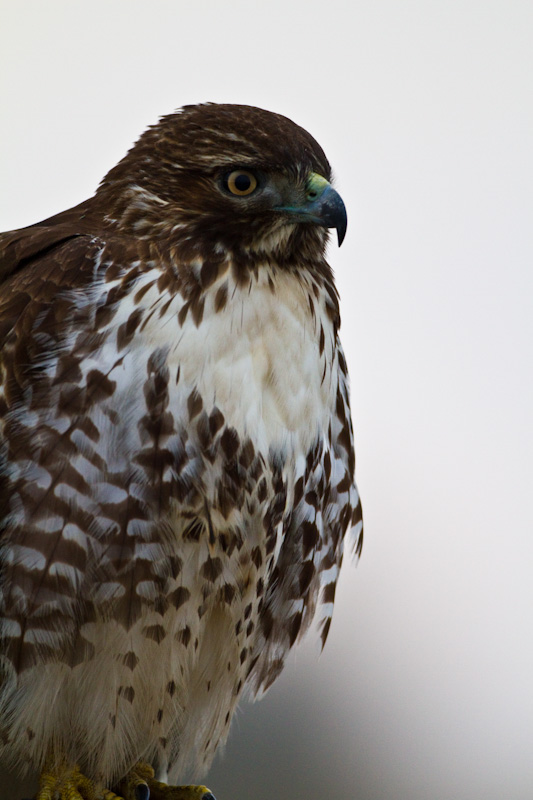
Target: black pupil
<point>242,182</point>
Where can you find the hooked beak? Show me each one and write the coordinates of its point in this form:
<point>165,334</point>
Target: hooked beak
<point>323,206</point>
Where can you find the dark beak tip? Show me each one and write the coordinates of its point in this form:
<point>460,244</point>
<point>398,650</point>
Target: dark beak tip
<point>333,213</point>
<point>341,233</point>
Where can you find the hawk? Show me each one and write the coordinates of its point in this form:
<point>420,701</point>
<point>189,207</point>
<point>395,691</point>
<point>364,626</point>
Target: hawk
<point>176,451</point>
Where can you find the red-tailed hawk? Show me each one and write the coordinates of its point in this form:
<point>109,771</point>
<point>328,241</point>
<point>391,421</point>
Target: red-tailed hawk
<point>176,462</point>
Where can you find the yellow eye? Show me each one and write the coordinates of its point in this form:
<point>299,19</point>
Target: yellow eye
<point>240,182</point>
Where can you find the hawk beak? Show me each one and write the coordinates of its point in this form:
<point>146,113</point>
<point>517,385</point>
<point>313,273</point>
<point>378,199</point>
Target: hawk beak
<point>324,206</point>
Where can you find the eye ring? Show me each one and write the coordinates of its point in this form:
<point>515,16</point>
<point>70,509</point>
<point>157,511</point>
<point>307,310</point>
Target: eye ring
<point>240,182</point>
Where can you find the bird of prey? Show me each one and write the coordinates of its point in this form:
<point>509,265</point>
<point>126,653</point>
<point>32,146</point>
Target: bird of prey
<point>176,451</point>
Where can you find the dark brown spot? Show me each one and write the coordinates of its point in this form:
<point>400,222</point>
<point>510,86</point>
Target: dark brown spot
<point>247,454</point>
<point>294,627</point>
<point>164,308</point>
<point>194,404</point>
<point>257,557</point>
<point>164,281</point>
<point>184,636</point>
<point>262,490</point>
<point>271,542</point>
<point>127,692</point>
<point>309,536</point>
<point>130,660</point>
<point>342,362</point>
<point>197,309</point>
<point>179,596</point>
<point>298,490</point>
<point>126,331</point>
<point>228,593</point>
<point>194,530</point>
<point>155,632</point>
<point>328,593</point>
<point>307,573</point>
<point>325,630</point>
<point>87,426</point>
<point>211,569</point>
<point>345,484</point>
<point>138,296</point>
<point>99,387</point>
<point>208,273</point>
<point>216,421</point>
<point>68,369</point>
<point>176,564</point>
<point>229,442</point>
<point>357,514</point>
<point>221,297</point>
<point>312,499</point>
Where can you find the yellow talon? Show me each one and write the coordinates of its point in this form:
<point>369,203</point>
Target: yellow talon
<point>47,783</point>
<point>161,791</point>
<point>131,787</point>
<point>69,783</point>
<point>65,783</point>
<point>143,775</point>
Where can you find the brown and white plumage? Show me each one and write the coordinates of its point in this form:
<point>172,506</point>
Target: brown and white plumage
<point>176,463</point>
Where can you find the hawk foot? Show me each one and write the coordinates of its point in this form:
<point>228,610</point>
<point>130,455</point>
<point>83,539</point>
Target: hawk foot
<point>67,784</point>
<point>141,784</point>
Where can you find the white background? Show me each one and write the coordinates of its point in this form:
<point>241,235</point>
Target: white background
<point>425,110</point>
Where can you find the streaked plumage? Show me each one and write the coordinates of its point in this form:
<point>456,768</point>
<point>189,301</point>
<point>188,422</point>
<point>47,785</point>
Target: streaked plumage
<point>177,465</point>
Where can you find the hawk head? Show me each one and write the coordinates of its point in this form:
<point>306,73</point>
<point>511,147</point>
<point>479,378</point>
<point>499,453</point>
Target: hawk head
<point>217,178</point>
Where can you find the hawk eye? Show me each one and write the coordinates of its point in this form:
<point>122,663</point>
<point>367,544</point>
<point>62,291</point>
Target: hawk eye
<point>240,182</point>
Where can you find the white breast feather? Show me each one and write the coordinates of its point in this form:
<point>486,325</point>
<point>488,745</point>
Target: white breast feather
<point>257,360</point>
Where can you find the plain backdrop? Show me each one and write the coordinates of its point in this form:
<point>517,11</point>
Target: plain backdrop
<point>425,110</point>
